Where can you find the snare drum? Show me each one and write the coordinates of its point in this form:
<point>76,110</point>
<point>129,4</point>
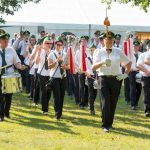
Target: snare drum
<point>11,83</point>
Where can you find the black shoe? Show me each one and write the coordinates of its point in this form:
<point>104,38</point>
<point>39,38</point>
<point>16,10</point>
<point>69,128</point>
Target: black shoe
<point>137,107</point>
<point>92,112</point>
<point>30,99</point>
<point>81,106</point>
<point>1,119</point>
<point>127,103</point>
<point>77,103</point>
<point>8,116</point>
<point>57,116</point>
<point>147,114</point>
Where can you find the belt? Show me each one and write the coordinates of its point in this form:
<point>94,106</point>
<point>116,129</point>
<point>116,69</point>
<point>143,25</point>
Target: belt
<point>108,76</point>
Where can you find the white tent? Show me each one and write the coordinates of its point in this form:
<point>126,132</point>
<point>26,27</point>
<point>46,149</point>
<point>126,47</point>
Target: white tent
<point>79,12</point>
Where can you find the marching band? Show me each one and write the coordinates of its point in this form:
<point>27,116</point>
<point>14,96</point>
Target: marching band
<point>97,65</point>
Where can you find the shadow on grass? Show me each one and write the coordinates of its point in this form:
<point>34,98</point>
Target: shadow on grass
<point>135,133</point>
<point>134,121</point>
<point>125,115</point>
<point>42,124</point>
<point>83,122</point>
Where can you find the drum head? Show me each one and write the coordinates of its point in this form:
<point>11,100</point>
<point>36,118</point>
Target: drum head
<point>11,75</point>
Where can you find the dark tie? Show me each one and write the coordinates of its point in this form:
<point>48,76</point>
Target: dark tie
<point>46,63</point>
<point>110,50</point>
<point>3,61</point>
<point>136,56</point>
<point>60,63</point>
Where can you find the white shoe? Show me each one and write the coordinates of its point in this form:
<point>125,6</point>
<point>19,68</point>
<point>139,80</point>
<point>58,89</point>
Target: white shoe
<point>106,130</point>
<point>33,104</point>
<point>45,113</point>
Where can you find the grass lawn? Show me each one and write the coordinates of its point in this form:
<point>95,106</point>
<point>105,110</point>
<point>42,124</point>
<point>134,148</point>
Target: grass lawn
<point>28,129</point>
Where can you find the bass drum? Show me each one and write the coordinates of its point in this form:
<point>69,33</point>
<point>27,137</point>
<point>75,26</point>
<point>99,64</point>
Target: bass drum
<point>11,83</point>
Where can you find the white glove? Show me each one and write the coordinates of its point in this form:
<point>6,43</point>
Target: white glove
<point>107,62</point>
<point>122,76</point>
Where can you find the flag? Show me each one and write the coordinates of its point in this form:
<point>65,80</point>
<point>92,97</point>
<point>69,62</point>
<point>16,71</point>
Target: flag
<point>71,61</point>
<point>83,61</point>
<point>131,48</point>
<point>125,48</point>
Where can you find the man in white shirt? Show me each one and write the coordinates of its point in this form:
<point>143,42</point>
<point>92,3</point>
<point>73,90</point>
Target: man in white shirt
<point>83,89</point>
<point>143,65</point>
<point>20,45</point>
<point>107,61</point>
<point>135,88</point>
<point>117,41</point>
<point>91,77</point>
<point>8,57</point>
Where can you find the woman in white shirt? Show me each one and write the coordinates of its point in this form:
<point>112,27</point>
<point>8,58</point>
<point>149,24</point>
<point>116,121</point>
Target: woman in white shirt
<point>43,72</point>
<point>26,54</point>
<point>107,61</point>
<point>58,66</point>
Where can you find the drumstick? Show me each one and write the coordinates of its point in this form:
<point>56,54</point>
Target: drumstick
<point>3,67</point>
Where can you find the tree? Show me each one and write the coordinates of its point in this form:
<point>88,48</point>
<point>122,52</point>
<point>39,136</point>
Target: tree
<point>143,4</point>
<point>8,7</point>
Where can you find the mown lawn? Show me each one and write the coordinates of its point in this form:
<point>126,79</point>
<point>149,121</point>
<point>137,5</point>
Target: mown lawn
<point>29,129</point>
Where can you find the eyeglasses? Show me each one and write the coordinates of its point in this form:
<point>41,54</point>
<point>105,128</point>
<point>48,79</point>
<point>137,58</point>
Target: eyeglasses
<point>59,44</point>
<point>49,43</point>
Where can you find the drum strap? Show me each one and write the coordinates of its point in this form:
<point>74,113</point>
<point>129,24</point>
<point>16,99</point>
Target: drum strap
<point>9,66</point>
<point>42,69</point>
<point>32,65</point>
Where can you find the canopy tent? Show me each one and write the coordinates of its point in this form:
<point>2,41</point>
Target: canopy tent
<point>79,12</point>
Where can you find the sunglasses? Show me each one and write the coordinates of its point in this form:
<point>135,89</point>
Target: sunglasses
<point>59,44</point>
<point>49,43</point>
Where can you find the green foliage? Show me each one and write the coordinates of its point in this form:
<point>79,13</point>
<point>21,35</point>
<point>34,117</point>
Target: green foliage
<point>8,7</point>
<point>143,4</point>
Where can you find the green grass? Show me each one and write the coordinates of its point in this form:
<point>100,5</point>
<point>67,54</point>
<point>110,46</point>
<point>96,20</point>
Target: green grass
<point>29,129</point>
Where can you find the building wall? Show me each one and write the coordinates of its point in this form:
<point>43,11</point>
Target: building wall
<point>143,35</point>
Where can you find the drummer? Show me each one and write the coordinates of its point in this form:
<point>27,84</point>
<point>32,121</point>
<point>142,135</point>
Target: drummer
<point>8,57</point>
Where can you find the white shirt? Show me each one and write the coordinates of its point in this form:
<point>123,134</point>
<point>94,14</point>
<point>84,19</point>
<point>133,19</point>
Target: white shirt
<point>141,61</point>
<point>41,66</point>
<point>116,56</point>
<point>89,65</point>
<point>35,66</point>
<point>32,69</point>
<point>11,58</point>
<point>22,44</point>
<point>27,59</point>
<point>134,65</point>
<point>78,57</point>
<point>97,45</point>
<point>118,46</point>
<point>53,58</point>
<point>27,62</point>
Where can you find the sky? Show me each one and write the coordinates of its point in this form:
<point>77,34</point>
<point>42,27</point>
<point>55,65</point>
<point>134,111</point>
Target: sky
<point>80,12</point>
